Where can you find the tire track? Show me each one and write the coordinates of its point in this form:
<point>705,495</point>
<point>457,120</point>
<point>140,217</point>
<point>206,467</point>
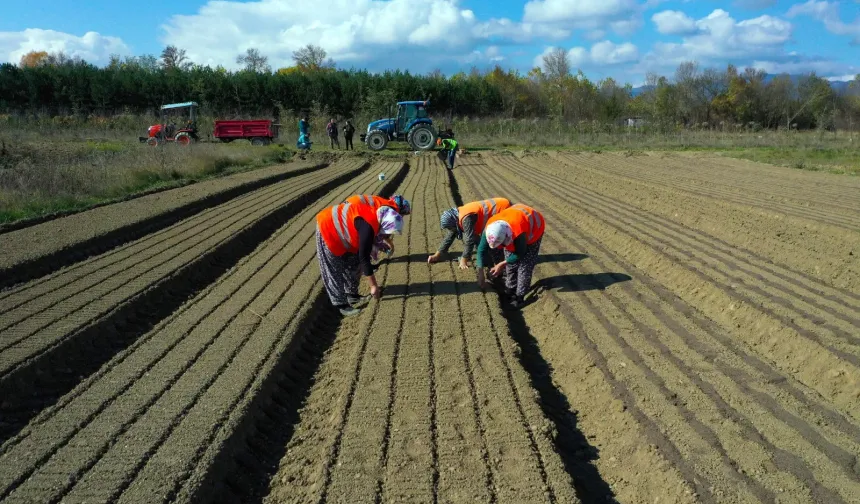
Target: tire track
<point>836,357</point>
<point>205,346</point>
<point>40,382</point>
<point>783,459</point>
<point>732,196</point>
<point>48,263</point>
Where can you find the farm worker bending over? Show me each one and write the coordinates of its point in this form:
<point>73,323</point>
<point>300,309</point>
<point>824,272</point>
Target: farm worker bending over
<point>467,223</point>
<point>451,146</point>
<point>518,230</point>
<point>397,202</point>
<point>345,237</point>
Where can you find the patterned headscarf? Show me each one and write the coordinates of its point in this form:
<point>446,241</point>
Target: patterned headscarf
<point>451,220</point>
<point>499,234</point>
<point>390,222</point>
<point>403,204</point>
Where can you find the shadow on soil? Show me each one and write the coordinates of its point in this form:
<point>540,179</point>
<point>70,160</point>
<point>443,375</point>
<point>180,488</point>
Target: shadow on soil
<point>578,282</point>
<point>571,443</point>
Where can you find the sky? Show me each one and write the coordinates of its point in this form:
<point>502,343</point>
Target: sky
<point>622,39</point>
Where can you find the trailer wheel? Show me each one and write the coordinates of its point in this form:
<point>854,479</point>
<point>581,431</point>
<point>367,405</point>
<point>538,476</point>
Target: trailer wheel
<point>259,141</point>
<point>376,140</point>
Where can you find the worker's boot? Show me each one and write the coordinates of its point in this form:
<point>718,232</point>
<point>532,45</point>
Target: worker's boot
<point>517,302</point>
<point>348,310</point>
<point>357,301</point>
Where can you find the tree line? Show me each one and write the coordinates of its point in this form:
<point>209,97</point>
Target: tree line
<point>52,84</point>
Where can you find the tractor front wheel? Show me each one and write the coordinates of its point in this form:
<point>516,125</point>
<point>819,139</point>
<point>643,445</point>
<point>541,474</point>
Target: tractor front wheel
<point>376,140</point>
<point>421,138</point>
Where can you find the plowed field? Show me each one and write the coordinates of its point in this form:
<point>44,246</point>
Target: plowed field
<point>693,335</point>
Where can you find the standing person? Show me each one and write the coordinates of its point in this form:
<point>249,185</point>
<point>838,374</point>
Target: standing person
<point>451,146</point>
<point>304,141</point>
<point>346,234</point>
<point>467,223</point>
<point>331,128</point>
<point>519,230</point>
<point>348,132</point>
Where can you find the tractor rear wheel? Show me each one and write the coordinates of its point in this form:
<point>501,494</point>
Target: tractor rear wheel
<point>421,138</point>
<point>376,140</point>
<point>152,141</point>
<point>183,139</point>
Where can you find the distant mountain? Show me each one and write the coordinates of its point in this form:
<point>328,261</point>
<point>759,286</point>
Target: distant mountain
<point>839,86</point>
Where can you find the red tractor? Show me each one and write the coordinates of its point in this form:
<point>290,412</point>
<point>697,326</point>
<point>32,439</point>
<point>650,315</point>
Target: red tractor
<point>169,131</point>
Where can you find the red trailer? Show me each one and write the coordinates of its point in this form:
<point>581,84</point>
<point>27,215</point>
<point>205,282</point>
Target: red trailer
<point>258,132</point>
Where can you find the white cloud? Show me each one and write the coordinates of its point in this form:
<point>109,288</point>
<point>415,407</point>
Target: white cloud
<point>623,16</point>
<point>601,54</point>
<point>828,14</point>
<point>361,32</point>
<point>798,65</point>
<point>719,37</point>
<point>843,78</point>
<point>92,47</point>
<point>674,23</point>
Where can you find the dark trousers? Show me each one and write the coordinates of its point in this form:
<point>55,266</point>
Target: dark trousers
<point>452,154</point>
<point>348,140</point>
<point>334,140</point>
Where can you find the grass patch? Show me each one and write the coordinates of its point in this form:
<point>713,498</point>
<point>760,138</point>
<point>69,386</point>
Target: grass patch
<point>39,178</point>
<point>838,161</point>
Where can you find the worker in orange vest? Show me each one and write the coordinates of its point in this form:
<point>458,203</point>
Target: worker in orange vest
<point>400,204</point>
<point>346,234</point>
<point>467,223</point>
<point>518,230</point>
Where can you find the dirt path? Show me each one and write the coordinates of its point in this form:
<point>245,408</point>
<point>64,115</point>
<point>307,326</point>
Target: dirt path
<point>62,327</point>
<point>831,203</point>
<point>151,423</point>
<point>40,249</point>
<point>420,398</point>
<point>705,394</point>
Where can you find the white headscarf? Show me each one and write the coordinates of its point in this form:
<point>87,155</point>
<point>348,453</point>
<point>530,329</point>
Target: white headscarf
<point>499,234</point>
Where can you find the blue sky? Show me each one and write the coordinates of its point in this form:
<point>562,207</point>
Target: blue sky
<point>623,39</point>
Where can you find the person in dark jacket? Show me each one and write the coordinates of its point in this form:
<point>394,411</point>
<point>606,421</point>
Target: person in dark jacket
<point>331,129</point>
<point>348,132</point>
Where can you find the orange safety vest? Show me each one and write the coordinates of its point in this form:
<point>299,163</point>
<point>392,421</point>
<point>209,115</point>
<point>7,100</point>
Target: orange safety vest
<point>337,226</point>
<point>372,200</point>
<point>484,210</point>
<point>522,219</point>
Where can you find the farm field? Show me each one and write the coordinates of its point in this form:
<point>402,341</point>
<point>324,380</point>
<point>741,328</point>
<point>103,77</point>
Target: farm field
<point>693,336</point>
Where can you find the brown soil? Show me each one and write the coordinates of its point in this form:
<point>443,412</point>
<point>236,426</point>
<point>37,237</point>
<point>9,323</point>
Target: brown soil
<point>736,369</point>
<point>691,337</point>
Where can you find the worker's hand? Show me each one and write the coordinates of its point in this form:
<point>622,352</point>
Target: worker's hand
<point>497,269</point>
<point>433,258</point>
<point>464,263</point>
<point>375,291</point>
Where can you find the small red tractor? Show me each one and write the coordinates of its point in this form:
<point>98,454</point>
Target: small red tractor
<point>168,131</point>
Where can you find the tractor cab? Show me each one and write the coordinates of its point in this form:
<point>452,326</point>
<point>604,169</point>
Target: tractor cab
<point>178,124</point>
<point>412,124</point>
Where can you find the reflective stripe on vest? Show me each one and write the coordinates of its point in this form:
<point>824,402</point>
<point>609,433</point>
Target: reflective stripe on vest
<point>340,224</point>
<point>535,221</point>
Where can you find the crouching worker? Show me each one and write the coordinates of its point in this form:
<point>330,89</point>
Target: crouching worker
<point>467,223</point>
<point>346,234</point>
<point>518,230</point>
<point>400,205</point>
<point>451,147</point>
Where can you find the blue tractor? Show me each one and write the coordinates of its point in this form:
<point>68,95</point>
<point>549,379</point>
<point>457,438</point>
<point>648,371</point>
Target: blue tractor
<point>412,125</point>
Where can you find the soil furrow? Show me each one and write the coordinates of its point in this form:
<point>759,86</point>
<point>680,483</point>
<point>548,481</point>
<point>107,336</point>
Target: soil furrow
<point>759,269</point>
<point>235,334</point>
<point>40,382</point>
<point>812,259</point>
<point>782,458</point>
<point>307,471</point>
<point>734,196</point>
<point>752,313</point>
<point>38,258</point>
<point>651,227</point>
